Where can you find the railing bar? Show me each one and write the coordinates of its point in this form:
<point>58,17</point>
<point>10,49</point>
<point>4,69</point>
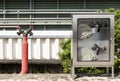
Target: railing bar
<point>37,24</point>
<point>38,18</point>
<point>53,10</point>
<point>47,12</point>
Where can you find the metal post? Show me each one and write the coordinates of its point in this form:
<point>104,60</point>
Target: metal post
<point>33,4</point>
<point>112,71</point>
<point>4,13</point>
<point>73,72</point>
<point>30,3</point>
<point>107,70</point>
<point>57,8</point>
<point>4,19</point>
<point>4,4</point>
<point>84,4</point>
<point>30,10</point>
<point>18,18</point>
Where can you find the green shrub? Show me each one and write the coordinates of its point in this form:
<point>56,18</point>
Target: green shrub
<point>90,70</point>
<point>65,55</point>
<point>117,38</point>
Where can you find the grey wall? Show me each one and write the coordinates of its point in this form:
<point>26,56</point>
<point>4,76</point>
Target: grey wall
<point>54,4</point>
<point>61,4</point>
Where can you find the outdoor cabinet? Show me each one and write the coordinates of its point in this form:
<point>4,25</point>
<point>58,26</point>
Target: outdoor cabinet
<point>93,40</point>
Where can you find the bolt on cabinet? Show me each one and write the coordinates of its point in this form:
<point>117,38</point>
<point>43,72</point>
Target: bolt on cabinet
<point>93,40</point>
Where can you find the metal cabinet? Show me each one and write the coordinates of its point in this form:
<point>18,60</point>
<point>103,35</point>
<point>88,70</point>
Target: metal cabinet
<point>93,40</point>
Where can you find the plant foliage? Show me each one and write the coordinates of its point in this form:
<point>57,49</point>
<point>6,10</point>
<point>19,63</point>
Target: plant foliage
<point>65,55</point>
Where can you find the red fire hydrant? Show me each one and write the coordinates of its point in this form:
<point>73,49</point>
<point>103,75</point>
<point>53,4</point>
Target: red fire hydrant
<point>24,66</point>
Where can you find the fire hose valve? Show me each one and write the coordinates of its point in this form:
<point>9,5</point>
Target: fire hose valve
<point>20,30</point>
<point>29,31</point>
<point>25,33</point>
<point>98,49</point>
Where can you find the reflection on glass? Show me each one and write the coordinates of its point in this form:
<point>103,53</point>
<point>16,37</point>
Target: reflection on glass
<point>93,39</point>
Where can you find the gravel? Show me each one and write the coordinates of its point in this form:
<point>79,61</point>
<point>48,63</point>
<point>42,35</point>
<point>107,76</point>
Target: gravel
<point>52,77</point>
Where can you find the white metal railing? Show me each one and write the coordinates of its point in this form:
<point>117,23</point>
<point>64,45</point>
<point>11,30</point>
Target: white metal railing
<point>12,22</point>
<point>34,21</point>
<point>42,45</point>
<point>47,11</point>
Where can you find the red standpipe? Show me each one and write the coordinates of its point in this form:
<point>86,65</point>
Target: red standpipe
<point>24,67</point>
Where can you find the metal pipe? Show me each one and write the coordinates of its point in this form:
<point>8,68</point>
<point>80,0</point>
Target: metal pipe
<point>37,18</point>
<point>39,36</point>
<point>55,23</point>
<point>24,67</point>
<point>8,26</point>
<point>54,10</point>
<point>48,12</point>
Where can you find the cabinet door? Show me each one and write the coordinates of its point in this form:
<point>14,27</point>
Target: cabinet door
<point>93,38</point>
